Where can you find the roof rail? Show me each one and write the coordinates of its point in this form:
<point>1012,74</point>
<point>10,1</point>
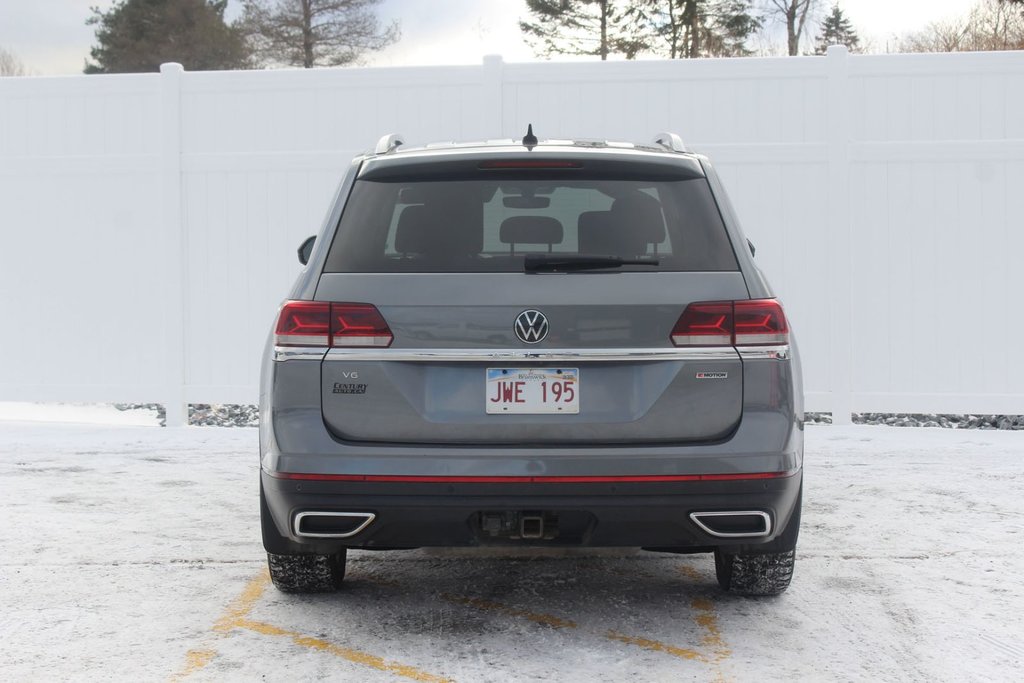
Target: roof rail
<point>670,141</point>
<point>389,143</point>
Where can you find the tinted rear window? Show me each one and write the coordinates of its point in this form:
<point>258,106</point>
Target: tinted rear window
<point>487,225</point>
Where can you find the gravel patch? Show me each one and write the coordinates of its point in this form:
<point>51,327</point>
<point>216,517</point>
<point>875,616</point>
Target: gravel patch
<point>241,415</point>
<point>947,421</point>
<point>205,414</point>
<point>223,415</point>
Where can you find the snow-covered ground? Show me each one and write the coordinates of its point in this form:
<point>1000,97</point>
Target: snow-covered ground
<point>75,413</point>
<point>133,553</point>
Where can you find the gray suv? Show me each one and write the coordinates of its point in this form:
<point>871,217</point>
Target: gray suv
<point>531,343</point>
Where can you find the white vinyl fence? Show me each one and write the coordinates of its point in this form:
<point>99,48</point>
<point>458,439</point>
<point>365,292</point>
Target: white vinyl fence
<point>148,223</point>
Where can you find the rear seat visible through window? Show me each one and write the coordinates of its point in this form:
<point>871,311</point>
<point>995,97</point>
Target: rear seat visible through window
<point>476,224</point>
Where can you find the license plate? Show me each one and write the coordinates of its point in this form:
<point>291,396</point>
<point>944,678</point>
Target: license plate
<point>532,391</point>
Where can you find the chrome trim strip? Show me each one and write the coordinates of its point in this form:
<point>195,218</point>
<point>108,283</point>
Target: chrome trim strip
<point>518,355</point>
<point>297,524</point>
<point>695,517</point>
<point>283,353</point>
<point>780,352</point>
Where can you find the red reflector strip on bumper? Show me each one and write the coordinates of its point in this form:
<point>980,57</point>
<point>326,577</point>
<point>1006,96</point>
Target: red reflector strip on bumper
<point>416,479</point>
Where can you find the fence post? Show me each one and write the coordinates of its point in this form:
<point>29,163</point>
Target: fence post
<point>172,215</point>
<point>494,114</point>
<point>838,225</point>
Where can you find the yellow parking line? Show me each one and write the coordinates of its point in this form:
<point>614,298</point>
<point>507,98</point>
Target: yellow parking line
<point>656,646</point>
<point>236,615</point>
<point>706,619</point>
<point>536,617</point>
<point>240,607</point>
<point>349,654</point>
<point>691,572</point>
<point>194,661</point>
<point>560,623</point>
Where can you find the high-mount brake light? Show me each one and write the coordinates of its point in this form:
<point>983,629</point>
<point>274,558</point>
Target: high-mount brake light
<point>321,323</point>
<point>750,322</point>
<point>530,164</point>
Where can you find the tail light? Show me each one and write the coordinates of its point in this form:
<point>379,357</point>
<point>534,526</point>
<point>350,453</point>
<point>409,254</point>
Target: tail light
<point>760,321</point>
<point>303,323</point>
<point>704,324</point>
<point>320,323</point>
<point>736,323</point>
<point>358,325</point>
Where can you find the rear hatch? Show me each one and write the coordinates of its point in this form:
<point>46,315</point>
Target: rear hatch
<point>530,304</point>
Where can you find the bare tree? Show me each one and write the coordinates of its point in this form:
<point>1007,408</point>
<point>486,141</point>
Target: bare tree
<point>938,36</point>
<point>794,13</point>
<point>990,25</point>
<point>10,65</point>
<point>310,33</point>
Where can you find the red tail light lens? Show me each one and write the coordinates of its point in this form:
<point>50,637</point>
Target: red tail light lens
<point>320,323</point>
<point>704,324</point>
<point>303,323</point>
<point>358,325</point>
<point>737,323</point>
<point>760,321</point>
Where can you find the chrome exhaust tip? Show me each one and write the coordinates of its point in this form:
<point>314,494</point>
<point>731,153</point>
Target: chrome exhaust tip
<point>315,524</point>
<point>734,524</point>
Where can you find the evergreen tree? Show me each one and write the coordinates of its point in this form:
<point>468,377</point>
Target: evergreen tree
<point>837,30</point>
<point>581,27</point>
<point>730,25</point>
<point>673,28</point>
<point>310,33</point>
<point>139,35</point>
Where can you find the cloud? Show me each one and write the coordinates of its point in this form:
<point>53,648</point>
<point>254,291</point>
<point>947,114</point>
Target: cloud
<point>49,36</point>
<point>453,32</point>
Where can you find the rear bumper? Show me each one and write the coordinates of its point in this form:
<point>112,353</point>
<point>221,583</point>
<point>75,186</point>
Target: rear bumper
<point>608,514</point>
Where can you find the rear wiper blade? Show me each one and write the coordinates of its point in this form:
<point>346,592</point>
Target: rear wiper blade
<point>535,263</point>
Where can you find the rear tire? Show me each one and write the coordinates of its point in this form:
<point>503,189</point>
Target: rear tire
<point>768,574</point>
<point>764,570</point>
<point>307,573</point>
<point>297,568</point>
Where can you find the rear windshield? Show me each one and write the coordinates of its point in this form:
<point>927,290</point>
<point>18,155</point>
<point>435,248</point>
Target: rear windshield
<point>474,225</point>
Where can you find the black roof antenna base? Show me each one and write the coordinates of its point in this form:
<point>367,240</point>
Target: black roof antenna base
<point>530,140</point>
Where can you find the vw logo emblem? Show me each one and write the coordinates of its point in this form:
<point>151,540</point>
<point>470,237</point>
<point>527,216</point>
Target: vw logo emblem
<point>531,326</point>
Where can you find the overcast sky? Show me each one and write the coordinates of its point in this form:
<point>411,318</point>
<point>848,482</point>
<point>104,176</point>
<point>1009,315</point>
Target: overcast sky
<point>51,38</point>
